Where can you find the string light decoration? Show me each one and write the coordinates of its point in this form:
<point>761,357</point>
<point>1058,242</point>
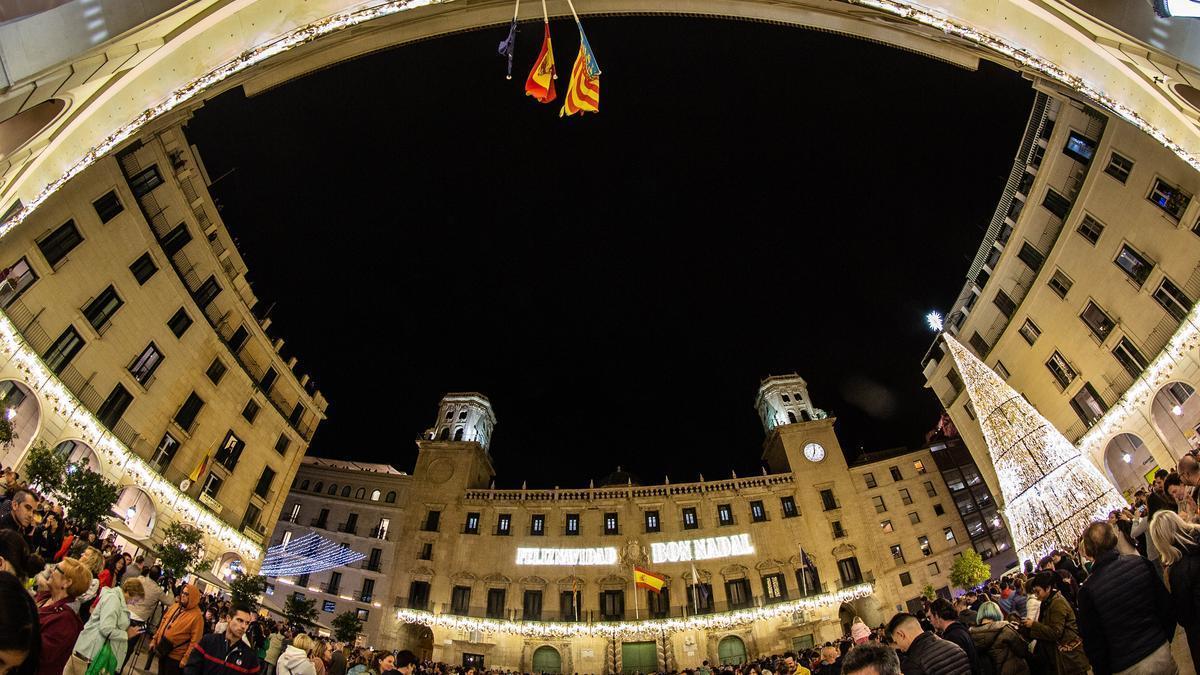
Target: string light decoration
<point>306,555</point>
<point>1051,491</point>
<point>631,629</point>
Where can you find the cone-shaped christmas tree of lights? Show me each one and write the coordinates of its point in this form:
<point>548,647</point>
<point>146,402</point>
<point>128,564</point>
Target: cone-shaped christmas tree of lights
<point>1051,491</point>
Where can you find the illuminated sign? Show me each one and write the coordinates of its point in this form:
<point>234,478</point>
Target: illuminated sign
<point>701,549</point>
<point>567,556</point>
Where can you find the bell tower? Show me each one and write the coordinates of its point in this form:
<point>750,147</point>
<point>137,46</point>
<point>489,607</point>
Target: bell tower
<point>783,399</point>
<point>457,448</point>
<point>464,417</point>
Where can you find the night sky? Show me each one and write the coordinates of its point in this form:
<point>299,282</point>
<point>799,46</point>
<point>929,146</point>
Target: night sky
<point>751,200</point>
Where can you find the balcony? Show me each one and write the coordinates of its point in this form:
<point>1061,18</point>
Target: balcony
<point>319,522</point>
<point>364,597</point>
<point>348,528</point>
<point>368,565</point>
<point>376,534</point>
<point>331,589</point>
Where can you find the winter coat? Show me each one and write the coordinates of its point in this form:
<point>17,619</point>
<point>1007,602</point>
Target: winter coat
<point>183,625</point>
<point>60,627</point>
<point>108,623</point>
<point>337,664</point>
<point>859,632</point>
<point>931,655</point>
<point>957,633</point>
<point>1016,603</point>
<point>274,647</point>
<point>1056,631</point>
<point>1125,612</point>
<point>213,655</point>
<point>293,661</point>
<point>318,664</point>
<point>1000,643</point>
<point>1184,579</point>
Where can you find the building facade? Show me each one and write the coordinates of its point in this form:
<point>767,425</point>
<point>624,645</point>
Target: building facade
<point>1081,295</point>
<point>543,579</point>
<point>132,344</point>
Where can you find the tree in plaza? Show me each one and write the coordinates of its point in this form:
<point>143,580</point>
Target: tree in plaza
<point>928,593</point>
<point>87,496</point>
<point>969,570</point>
<point>182,551</point>
<point>44,467</point>
<point>247,588</point>
<point>299,611</point>
<point>346,626</point>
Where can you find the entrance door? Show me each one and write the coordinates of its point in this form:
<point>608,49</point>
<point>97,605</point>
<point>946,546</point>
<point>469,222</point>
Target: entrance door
<point>731,651</point>
<point>639,657</point>
<point>547,660</point>
<point>473,661</point>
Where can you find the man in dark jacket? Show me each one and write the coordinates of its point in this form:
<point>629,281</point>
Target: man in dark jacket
<point>20,516</point>
<point>225,653</point>
<point>945,619</point>
<point>925,653</point>
<point>1125,615</point>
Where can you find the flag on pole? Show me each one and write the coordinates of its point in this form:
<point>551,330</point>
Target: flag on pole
<point>509,44</point>
<point>698,587</point>
<point>583,92</point>
<point>200,468</point>
<point>643,578</point>
<point>540,83</point>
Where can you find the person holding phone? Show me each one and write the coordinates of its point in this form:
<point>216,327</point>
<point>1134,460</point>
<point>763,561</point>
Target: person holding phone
<point>107,625</point>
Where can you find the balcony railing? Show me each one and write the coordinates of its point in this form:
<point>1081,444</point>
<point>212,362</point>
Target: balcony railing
<point>348,529</point>
<point>375,532</point>
<point>319,522</point>
<point>370,566</point>
<point>634,491</point>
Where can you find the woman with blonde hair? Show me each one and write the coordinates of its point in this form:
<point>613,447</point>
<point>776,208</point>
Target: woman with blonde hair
<point>1178,544</point>
<point>317,655</point>
<point>59,623</point>
<point>294,660</point>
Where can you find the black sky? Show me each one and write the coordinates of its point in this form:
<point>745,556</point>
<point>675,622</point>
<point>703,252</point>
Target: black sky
<point>752,199</point>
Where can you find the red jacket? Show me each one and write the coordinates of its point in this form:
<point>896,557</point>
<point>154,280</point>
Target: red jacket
<point>60,629</point>
<point>66,546</point>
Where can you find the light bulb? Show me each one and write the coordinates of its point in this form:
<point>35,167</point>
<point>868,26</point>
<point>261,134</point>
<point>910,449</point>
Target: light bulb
<point>1127,458</point>
<point>1176,410</point>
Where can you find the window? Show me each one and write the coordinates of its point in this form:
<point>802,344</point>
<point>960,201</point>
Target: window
<point>929,488</point>
<point>1060,283</point>
<point>362,614</point>
<point>1119,167</point>
<point>531,606</point>
<point>1005,304</point>
<point>828,501</point>
<point>537,525</point>
<point>187,413</point>
<point>914,518</point>
<point>63,350</point>
<point>949,532</point>
<point>264,482</point>
<point>1080,148</point>
<point>897,553</point>
<point>145,364</point>
<point>145,181</point>
<point>426,551</point>
<point>690,521</point>
<point>918,465</point>
<point>472,524</point>
<point>101,309</point>
<point>207,292</point>
<point>1090,229</point>
<point>1097,321</point>
<point>114,406</point>
<point>895,471</point>
<point>175,240</point>
<point>838,531</point>
<point>612,605</point>
<point>1088,405</point>
<point>658,605</point>
<point>757,513</point>
<point>418,595</point>
<point>1030,331</point>
<point>610,524</point>
<point>216,370</point>
<point>572,527</point>
<point>568,605</point>
<point>737,592</point>
<point>1061,370</point>
<point>905,579</point>
<point>108,206</point>
<point>869,478</point>
<point>294,516</point>
<point>250,411</point>
<point>238,339</point>
<point>268,379</point>
<point>969,409</point>
<point>886,526</point>
<point>1172,200</point>
<point>923,542</point>
<point>212,485</point>
<point>504,525</point>
<point>652,524</point>
<point>1056,203</point>
<point>495,603</point>
<point>905,496</point>
<point>724,514</point>
<point>143,268</point>
<point>282,443</point>
<point>16,279</point>
<point>788,504</point>
<point>1129,357</point>
<point>165,452</point>
<point>774,587</point>
<point>1175,301</point>
<point>880,507</point>
<point>938,510</point>
<point>933,569</point>
<point>460,600</point>
<point>179,323</point>
<point>1031,256</point>
<point>980,346</point>
<point>56,245</point>
<point>230,451</point>
<point>1134,264</point>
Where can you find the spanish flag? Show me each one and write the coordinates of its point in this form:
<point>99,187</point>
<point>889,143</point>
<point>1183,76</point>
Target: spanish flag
<point>540,83</point>
<point>648,580</point>
<point>197,472</point>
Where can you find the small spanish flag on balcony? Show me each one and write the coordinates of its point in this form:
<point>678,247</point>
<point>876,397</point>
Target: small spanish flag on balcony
<point>200,469</point>
<point>648,580</point>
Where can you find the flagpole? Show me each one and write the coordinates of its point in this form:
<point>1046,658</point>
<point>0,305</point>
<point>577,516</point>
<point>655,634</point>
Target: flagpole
<point>803,572</point>
<point>636,615</point>
<point>516,10</point>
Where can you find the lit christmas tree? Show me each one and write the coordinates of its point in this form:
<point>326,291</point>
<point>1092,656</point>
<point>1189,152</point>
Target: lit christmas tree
<point>1051,491</point>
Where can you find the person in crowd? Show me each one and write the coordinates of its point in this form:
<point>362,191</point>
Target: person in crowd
<point>871,658</point>
<point>180,628</point>
<point>68,540</point>
<point>1181,495</point>
<point>95,563</point>
<point>945,617</point>
<point>406,662</point>
<point>1016,602</point>
<point>60,625</point>
<point>133,566</point>
<point>274,648</point>
<point>337,660</point>
<point>15,557</point>
<point>358,663</point>
<point>1189,470</point>
<point>383,662</point>
<point>859,632</point>
<point>1125,615</point>
<point>21,516</point>
<point>317,655</point>
<point>20,628</point>
<point>48,538</point>
<point>1059,648</point>
<point>923,652</point>
<point>999,642</point>
<point>1178,544</point>
<point>114,568</point>
<point>225,653</point>
<point>295,660</point>
<point>831,661</point>
<point>108,625</point>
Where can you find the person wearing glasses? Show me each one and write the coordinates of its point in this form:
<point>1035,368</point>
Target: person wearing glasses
<point>59,623</point>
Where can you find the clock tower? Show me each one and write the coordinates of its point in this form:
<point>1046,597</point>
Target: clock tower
<point>799,434</point>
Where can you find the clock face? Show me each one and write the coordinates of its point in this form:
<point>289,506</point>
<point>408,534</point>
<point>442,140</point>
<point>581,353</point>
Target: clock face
<point>814,452</point>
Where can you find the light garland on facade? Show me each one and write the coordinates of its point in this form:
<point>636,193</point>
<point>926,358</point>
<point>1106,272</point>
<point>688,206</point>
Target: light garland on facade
<point>627,629</point>
<point>1051,491</point>
<point>306,555</point>
<point>141,475</point>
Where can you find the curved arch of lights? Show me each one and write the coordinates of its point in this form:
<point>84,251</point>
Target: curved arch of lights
<point>307,555</point>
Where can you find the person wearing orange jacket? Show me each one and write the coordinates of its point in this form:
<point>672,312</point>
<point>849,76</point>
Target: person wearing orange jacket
<point>182,626</point>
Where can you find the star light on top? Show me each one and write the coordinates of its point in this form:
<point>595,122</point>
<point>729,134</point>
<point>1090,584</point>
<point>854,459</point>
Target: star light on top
<point>935,321</point>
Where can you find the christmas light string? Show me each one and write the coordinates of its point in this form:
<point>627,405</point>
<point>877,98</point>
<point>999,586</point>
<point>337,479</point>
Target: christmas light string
<point>306,555</point>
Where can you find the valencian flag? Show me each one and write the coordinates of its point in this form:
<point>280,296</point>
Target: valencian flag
<point>583,93</point>
<point>648,580</point>
<point>540,83</point>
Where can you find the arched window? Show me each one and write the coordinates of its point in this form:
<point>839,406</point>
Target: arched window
<point>319,486</point>
<point>458,434</point>
<point>375,495</point>
<point>332,489</point>
<point>346,491</point>
<point>304,485</point>
<point>805,416</point>
<point>391,497</point>
<point>791,417</point>
<point>463,415</point>
<point>362,493</point>
<point>445,435</point>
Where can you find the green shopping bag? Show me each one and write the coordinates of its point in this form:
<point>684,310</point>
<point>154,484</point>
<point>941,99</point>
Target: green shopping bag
<point>104,663</point>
